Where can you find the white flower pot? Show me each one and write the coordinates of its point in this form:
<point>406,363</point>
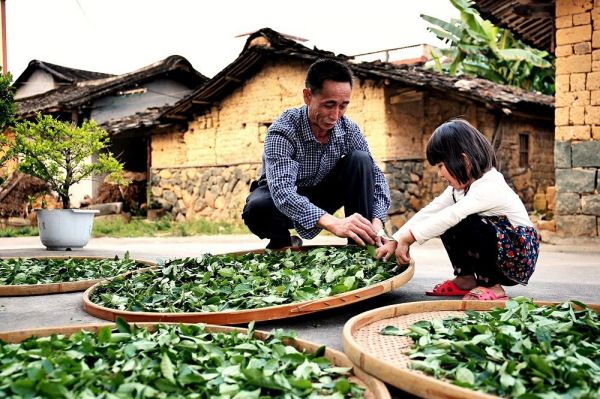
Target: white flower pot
<point>62,229</point>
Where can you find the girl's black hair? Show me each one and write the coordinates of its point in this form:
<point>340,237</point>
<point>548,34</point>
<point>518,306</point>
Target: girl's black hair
<point>454,138</point>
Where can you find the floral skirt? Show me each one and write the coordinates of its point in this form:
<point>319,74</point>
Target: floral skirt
<point>518,249</point>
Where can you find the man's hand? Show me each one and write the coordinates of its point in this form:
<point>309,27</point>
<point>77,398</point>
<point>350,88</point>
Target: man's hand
<point>356,227</point>
<point>378,225</point>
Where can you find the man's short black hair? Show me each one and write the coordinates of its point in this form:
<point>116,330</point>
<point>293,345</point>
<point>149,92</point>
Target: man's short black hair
<point>326,69</point>
<point>454,138</point>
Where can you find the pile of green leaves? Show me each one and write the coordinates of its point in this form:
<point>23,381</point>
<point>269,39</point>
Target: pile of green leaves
<point>523,351</point>
<point>232,282</point>
<point>19,271</point>
<point>172,362</point>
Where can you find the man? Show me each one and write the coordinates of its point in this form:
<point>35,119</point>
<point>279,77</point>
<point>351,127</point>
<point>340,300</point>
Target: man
<point>315,161</point>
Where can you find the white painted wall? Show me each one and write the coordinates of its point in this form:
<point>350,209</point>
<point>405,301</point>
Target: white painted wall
<point>38,82</point>
<point>156,93</point>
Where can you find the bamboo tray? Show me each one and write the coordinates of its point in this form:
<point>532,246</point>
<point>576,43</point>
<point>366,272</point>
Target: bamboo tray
<point>247,315</point>
<point>61,287</point>
<point>384,356</point>
<point>375,389</point>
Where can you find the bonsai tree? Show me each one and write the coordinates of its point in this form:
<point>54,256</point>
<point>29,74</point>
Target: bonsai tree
<point>60,153</point>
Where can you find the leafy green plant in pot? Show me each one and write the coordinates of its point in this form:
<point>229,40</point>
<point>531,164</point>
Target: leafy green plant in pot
<point>60,153</point>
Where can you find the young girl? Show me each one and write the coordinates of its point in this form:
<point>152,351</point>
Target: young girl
<point>483,224</point>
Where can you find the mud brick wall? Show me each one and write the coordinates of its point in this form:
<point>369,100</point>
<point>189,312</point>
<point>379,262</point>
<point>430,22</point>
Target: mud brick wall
<point>397,123</point>
<point>577,118</point>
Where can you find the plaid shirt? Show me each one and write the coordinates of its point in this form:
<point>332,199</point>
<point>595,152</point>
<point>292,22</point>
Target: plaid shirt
<point>294,158</point>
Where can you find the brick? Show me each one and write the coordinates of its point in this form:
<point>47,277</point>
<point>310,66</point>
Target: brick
<point>586,153</point>
<point>548,225</point>
<point>565,133</point>
<point>590,204</point>
<point>592,117</point>
<point>595,97</point>
<point>576,226</point>
<point>582,19</point>
<point>593,81</point>
<point>577,82</point>
<point>576,115</point>
<point>596,133</point>
<point>574,63</point>
<point>571,7</point>
<point>576,34</point>
<point>551,198</point>
<point>595,13</point>
<point>563,51</point>
<point>582,48</point>
<point>562,154</point>
<point>596,39</point>
<point>539,203</point>
<point>595,66</point>
<point>564,22</point>
<point>595,55</point>
<point>561,116</point>
<point>575,180</point>
<point>568,203</point>
<point>562,83</point>
<point>563,99</point>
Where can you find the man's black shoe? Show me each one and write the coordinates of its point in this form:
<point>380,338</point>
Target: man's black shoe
<point>296,241</point>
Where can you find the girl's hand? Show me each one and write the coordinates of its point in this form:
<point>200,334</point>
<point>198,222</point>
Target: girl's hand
<point>403,253</point>
<point>386,250</point>
<point>403,248</point>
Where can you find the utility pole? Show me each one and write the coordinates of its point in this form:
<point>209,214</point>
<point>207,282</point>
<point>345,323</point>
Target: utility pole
<point>3,37</point>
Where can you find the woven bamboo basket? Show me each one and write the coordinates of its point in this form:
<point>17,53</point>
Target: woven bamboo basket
<point>247,315</point>
<point>62,287</point>
<point>375,389</point>
<point>385,356</point>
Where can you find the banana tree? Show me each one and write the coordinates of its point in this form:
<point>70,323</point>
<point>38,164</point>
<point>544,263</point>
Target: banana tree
<point>480,49</point>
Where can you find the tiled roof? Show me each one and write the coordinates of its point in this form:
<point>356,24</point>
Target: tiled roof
<point>82,91</point>
<point>268,45</point>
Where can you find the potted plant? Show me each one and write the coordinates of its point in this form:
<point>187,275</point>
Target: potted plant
<point>60,153</point>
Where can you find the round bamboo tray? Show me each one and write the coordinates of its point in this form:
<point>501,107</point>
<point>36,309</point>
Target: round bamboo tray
<point>385,356</point>
<point>375,389</point>
<point>247,315</point>
<point>57,288</point>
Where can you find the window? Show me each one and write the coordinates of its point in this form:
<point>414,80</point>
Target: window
<point>523,150</point>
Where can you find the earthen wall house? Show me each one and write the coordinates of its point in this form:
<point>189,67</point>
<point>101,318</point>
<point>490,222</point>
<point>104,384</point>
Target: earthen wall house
<point>203,165</point>
<point>571,30</point>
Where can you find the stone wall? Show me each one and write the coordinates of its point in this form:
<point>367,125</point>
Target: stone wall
<point>215,193</point>
<point>577,117</point>
<point>404,179</point>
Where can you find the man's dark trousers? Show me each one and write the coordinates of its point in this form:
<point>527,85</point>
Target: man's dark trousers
<point>349,184</point>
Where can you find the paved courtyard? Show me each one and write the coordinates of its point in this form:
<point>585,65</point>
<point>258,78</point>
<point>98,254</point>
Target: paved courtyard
<point>565,271</point>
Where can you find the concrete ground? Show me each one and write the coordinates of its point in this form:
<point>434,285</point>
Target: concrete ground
<point>567,270</point>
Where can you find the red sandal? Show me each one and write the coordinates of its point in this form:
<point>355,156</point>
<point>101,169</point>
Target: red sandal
<point>447,288</point>
<point>483,294</point>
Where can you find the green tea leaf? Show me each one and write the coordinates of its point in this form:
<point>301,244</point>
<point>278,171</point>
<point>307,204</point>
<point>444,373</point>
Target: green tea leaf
<point>391,330</point>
